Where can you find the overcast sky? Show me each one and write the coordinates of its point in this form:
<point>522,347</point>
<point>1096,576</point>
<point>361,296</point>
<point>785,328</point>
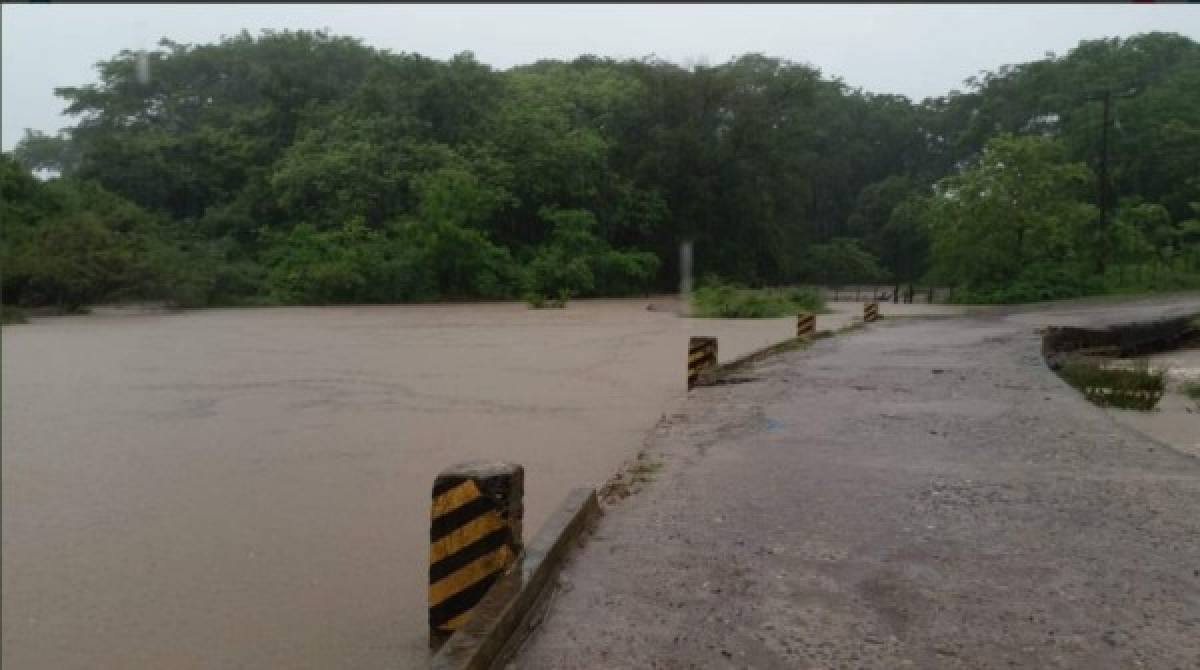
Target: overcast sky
<point>915,50</point>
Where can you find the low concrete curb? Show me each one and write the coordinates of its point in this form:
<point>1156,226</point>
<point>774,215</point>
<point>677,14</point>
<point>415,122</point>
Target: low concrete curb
<point>503,619</point>
<point>1118,340</point>
<point>790,344</point>
<point>714,375</point>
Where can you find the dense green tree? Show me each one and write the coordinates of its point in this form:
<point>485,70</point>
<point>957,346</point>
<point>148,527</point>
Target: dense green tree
<point>843,260</point>
<point>904,240</point>
<point>306,167</point>
<point>1016,216</point>
<point>70,244</point>
<point>576,261</point>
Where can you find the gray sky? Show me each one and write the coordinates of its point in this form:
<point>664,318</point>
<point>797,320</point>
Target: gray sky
<point>916,50</point>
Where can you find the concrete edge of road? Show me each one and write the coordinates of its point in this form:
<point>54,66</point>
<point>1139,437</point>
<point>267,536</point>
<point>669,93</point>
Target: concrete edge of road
<point>790,344</point>
<point>714,375</point>
<point>506,615</point>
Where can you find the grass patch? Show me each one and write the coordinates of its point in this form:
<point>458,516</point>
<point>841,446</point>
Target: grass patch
<point>1138,388</point>
<point>10,315</point>
<point>631,479</point>
<point>1192,390</point>
<point>644,470</point>
<point>540,301</point>
<point>728,301</point>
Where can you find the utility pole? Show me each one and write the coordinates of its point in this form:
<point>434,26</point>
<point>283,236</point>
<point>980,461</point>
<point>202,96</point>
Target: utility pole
<point>1104,186</point>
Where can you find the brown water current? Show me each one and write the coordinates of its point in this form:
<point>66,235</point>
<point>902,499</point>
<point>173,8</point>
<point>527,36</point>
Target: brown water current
<point>250,487</point>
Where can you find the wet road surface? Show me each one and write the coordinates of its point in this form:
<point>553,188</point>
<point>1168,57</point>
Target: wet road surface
<point>921,494</point>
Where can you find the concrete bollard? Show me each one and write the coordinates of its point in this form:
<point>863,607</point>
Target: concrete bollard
<point>870,311</point>
<point>806,324</point>
<point>702,355</point>
<point>474,537</point>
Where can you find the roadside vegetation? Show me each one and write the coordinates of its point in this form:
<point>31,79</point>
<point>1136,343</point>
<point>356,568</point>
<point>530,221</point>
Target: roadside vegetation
<point>307,168</point>
<point>11,315</point>
<point>1192,390</point>
<point>1139,387</point>
<point>716,299</point>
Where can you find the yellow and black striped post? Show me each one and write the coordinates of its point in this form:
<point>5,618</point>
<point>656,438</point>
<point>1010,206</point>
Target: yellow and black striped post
<point>806,324</point>
<point>870,311</point>
<point>702,355</point>
<point>474,535</point>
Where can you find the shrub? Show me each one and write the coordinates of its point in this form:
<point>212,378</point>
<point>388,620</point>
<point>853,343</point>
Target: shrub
<point>10,315</point>
<point>728,301</point>
<point>540,301</point>
<point>807,298</point>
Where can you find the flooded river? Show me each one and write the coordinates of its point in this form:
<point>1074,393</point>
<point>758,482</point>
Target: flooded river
<point>250,487</point>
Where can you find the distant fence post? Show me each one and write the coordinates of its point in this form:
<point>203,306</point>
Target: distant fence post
<point>806,324</point>
<point>474,537</point>
<point>702,355</point>
<point>870,311</point>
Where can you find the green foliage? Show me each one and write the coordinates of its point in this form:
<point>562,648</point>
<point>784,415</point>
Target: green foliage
<point>904,240</point>
<point>348,264</point>
<point>540,301</point>
<point>69,244</point>
<point>305,167</point>
<point>842,260</point>
<point>576,262</point>
<point>38,151</point>
<point>1013,227</point>
<point>804,298</point>
<point>885,221</point>
<point>717,299</point>
<point>200,273</point>
<point>1139,387</point>
<point>12,315</point>
<point>1191,390</point>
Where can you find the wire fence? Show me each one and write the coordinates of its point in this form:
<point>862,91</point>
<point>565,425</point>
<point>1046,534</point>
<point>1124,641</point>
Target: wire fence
<point>904,293</point>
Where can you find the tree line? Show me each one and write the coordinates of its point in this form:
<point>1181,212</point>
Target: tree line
<point>303,167</point>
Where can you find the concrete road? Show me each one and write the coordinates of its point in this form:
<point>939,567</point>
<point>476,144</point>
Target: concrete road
<point>922,493</point>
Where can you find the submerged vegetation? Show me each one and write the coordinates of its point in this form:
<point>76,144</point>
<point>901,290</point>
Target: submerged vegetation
<point>720,300</point>
<point>301,167</point>
<point>1139,387</point>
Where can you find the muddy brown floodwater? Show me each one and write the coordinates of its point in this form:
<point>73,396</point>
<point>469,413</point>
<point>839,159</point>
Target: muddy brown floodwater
<point>250,487</point>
